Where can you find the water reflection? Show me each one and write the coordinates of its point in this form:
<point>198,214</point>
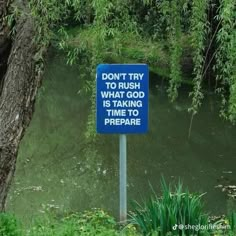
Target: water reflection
<point>58,168</point>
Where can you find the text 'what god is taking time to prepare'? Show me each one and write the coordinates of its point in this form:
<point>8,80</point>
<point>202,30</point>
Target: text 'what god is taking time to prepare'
<point>122,98</point>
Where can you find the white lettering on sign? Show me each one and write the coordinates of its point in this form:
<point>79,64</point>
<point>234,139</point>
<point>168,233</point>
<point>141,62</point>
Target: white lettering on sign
<point>136,76</point>
<point>112,94</point>
<point>127,103</point>
<point>113,76</point>
<point>135,94</point>
<point>122,121</point>
<point>111,85</point>
<point>133,112</point>
<point>122,98</point>
<point>116,112</point>
<point>106,103</point>
<point>128,85</point>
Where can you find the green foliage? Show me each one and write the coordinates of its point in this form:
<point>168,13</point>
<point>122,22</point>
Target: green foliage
<point>95,222</point>
<point>88,223</point>
<point>175,33</point>
<point>232,221</point>
<point>110,19</point>
<point>226,58</point>
<point>98,222</point>
<point>52,13</point>
<point>199,26</point>
<point>160,215</point>
<point>80,10</point>
<point>11,18</point>
<point>146,31</point>
<point>8,225</point>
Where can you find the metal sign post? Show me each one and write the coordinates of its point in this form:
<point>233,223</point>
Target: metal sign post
<point>123,178</point>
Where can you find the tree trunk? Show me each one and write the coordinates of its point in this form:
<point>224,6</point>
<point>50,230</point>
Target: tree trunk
<point>4,40</point>
<point>19,86</point>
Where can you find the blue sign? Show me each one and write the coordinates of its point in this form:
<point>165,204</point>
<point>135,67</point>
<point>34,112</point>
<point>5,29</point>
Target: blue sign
<point>122,98</point>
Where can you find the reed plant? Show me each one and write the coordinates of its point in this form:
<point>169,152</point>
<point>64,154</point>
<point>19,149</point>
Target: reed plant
<point>171,214</point>
<point>232,222</point>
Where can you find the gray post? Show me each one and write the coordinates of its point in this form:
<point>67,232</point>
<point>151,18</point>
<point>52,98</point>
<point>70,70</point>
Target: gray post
<point>123,179</point>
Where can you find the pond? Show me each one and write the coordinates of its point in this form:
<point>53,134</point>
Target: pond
<point>59,169</point>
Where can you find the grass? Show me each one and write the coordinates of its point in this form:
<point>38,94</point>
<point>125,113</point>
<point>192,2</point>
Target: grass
<point>89,223</point>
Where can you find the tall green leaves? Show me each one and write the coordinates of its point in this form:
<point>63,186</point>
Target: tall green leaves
<point>162,216</point>
<point>199,27</point>
<point>226,57</point>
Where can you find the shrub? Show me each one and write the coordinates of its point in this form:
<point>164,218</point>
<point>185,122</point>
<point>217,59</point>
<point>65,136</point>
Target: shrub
<point>94,223</point>
<point>8,225</point>
<point>161,216</point>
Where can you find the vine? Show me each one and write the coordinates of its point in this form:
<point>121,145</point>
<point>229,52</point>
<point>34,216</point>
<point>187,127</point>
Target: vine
<point>107,26</point>
<point>199,27</point>
<point>175,49</point>
<point>226,58</point>
<point>96,29</point>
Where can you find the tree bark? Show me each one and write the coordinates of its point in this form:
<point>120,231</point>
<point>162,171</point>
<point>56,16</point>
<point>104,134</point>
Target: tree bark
<point>19,87</point>
<point>4,40</point>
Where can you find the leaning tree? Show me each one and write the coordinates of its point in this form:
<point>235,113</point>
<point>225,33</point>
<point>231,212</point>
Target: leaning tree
<point>19,82</point>
<point>25,34</point>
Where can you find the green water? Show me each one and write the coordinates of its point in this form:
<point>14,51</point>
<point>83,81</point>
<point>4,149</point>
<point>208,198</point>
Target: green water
<point>58,169</point>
